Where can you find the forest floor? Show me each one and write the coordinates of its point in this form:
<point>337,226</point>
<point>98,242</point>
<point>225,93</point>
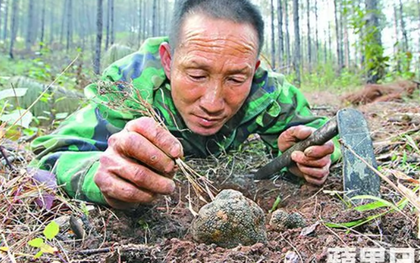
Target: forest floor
<point>161,232</point>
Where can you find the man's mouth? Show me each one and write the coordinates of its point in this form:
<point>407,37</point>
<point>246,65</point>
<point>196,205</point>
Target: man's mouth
<point>207,122</point>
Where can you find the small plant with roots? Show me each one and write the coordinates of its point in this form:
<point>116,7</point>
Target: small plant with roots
<point>201,185</point>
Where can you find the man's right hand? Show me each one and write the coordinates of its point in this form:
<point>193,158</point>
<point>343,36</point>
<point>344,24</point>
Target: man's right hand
<point>138,164</point>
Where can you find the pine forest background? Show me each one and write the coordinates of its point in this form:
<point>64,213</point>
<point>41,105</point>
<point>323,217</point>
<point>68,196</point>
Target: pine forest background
<point>319,45</point>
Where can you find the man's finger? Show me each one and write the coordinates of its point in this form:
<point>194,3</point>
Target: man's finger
<point>157,135</point>
<point>136,146</point>
<point>315,181</point>
<point>301,158</point>
<point>320,151</point>
<point>314,172</point>
<point>138,175</point>
<point>117,188</point>
<point>301,132</point>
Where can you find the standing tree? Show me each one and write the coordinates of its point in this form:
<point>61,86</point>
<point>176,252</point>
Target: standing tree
<point>6,18</point>
<point>403,29</point>
<point>316,33</point>
<point>97,61</point>
<point>280,31</point>
<point>286,21</point>
<point>308,7</point>
<point>69,24</point>
<point>1,1</point>
<point>13,27</point>
<point>52,24</point>
<point>112,26</point>
<point>296,57</point>
<point>154,15</point>
<point>338,36</point>
<point>63,20</point>
<point>273,42</point>
<point>29,28</point>
<point>144,24</point>
<point>139,28</point>
<point>108,18</point>
<point>41,41</point>
<point>373,49</point>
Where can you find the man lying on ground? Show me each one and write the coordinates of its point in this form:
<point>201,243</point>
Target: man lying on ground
<point>207,85</point>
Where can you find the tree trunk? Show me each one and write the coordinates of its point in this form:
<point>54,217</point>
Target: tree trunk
<point>286,21</point>
<point>63,21</point>
<point>316,33</point>
<point>140,15</point>
<point>97,63</point>
<point>52,23</point>
<point>375,64</point>
<point>82,25</point>
<point>308,6</point>
<point>6,18</point>
<point>273,43</point>
<point>159,18</point>
<point>403,29</point>
<point>280,32</point>
<point>325,46</point>
<point>346,41</point>
<point>108,12</point>
<point>1,2</point>
<point>338,37</point>
<point>154,11</point>
<point>13,27</point>
<point>144,24</point>
<point>29,29</point>
<point>41,44</point>
<point>341,23</point>
<point>329,54</point>
<point>69,38</point>
<point>297,58</point>
<point>418,15</point>
<point>165,18</point>
<point>112,25</point>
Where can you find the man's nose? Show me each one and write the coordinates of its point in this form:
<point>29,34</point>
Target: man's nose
<point>213,101</point>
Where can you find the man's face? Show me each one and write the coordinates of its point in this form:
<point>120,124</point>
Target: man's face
<point>211,71</point>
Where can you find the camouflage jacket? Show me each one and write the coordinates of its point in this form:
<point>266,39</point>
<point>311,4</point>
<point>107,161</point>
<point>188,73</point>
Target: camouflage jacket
<point>72,152</point>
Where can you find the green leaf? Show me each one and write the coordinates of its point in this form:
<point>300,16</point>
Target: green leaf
<point>39,254</point>
<point>45,248</point>
<point>51,230</point>
<point>11,93</point>
<point>370,206</point>
<point>412,143</point>
<point>379,202</point>
<point>36,242</point>
<point>14,115</point>
<point>345,224</point>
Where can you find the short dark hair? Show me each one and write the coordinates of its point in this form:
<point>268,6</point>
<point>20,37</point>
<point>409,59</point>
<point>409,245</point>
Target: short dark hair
<point>238,11</point>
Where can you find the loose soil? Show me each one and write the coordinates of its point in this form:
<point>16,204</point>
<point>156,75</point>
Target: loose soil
<point>160,232</point>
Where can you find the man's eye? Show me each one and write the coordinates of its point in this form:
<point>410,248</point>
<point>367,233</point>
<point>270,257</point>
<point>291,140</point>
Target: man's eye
<point>236,80</point>
<point>197,77</point>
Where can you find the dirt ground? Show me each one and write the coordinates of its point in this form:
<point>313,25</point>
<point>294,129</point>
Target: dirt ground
<point>160,232</point>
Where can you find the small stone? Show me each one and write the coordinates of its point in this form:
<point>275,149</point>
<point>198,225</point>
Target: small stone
<point>231,219</point>
<point>295,220</point>
<point>281,220</point>
<point>291,257</point>
<point>278,219</point>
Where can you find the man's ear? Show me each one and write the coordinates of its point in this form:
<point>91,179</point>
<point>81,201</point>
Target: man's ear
<point>257,64</point>
<point>165,58</point>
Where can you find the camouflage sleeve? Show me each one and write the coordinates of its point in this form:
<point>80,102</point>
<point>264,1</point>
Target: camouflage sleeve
<point>290,109</point>
<point>72,152</point>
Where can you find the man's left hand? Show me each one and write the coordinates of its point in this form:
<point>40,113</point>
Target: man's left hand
<point>314,162</point>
